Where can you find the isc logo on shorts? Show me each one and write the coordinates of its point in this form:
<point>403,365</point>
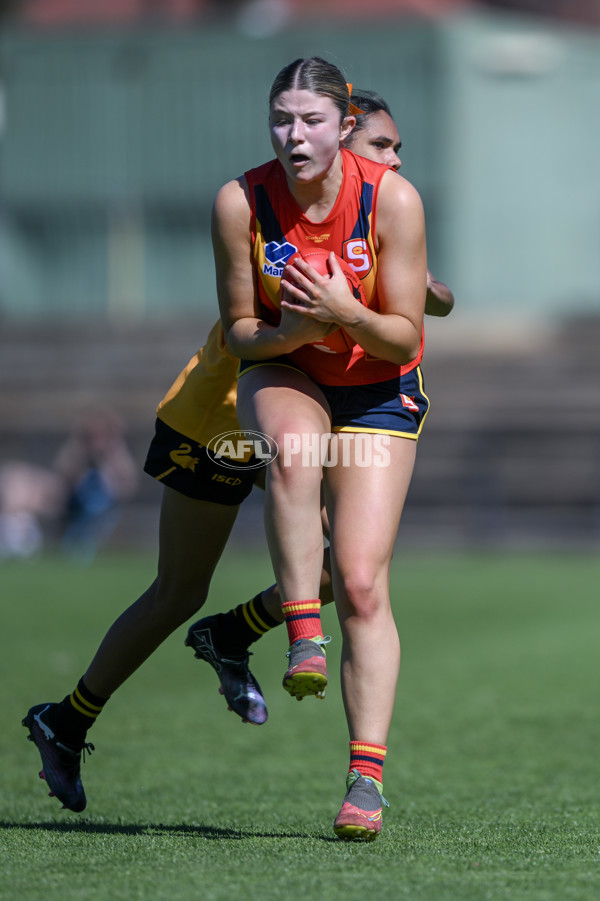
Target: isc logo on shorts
<point>228,480</point>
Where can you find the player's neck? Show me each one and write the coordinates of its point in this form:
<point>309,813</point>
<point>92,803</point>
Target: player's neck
<point>316,199</point>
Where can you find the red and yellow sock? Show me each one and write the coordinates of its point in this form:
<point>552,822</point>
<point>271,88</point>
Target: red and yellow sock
<point>368,758</point>
<point>303,619</point>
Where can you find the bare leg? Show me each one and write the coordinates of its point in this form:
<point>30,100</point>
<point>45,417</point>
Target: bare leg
<point>281,402</point>
<point>192,537</point>
<point>365,505</point>
<point>272,599</point>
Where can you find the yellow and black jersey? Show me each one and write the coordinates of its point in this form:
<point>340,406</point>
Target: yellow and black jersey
<point>201,402</point>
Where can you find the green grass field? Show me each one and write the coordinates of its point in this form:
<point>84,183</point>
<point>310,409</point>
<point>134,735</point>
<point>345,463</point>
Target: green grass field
<point>493,770</point>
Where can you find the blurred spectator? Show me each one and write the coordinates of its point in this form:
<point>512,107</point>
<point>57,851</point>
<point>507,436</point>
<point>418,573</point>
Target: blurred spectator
<point>98,473</point>
<point>29,496</point>
<point>93,475</point>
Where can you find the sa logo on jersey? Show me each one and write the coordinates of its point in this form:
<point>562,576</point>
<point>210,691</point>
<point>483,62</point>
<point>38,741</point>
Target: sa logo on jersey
<point>357,254</point>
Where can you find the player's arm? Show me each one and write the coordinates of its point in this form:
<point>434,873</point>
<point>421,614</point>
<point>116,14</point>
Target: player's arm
<point>394,333</point>
<point>246,334</point>
<point>440,299</point>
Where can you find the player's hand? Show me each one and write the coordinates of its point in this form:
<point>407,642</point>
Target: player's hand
<point>299,328</point>
<point>322,297</point>
<point>440,299</point>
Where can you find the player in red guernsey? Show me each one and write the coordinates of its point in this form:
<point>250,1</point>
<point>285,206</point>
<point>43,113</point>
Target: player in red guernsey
<point>200,404</point>
<point>275,317</point>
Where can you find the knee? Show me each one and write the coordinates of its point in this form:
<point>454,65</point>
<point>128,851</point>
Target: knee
<point>176,596</point>
<point>360,596</point>
<point>293,470</point>
<point>303,443</point>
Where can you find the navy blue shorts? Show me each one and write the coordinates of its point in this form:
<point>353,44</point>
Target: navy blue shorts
<point>398,406</point>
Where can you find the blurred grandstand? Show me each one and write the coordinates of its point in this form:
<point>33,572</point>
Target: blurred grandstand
<point>68,12</point>
<point>120,118</point>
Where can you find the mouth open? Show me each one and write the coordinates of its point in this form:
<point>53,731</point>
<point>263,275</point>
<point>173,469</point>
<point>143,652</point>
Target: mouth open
<point>298,158</point>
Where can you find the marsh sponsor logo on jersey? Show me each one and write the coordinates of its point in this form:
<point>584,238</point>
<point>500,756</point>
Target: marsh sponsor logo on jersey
<point>276,256</point>
<point>250,450</point>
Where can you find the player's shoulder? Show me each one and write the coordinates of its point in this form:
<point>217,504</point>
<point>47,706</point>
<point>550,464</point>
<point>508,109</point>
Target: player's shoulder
<point>232,197</point>
<point>397,184</point>
<point>231,189</point>
<point>395,189</point>
<point>237,192</point>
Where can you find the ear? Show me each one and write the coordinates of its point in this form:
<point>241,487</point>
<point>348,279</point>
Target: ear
<point>348,123</point>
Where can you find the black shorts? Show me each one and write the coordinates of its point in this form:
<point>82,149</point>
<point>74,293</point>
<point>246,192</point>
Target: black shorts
<point>188,467</point>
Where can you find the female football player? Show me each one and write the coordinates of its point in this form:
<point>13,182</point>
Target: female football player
<point>196,511</point>
<point>299,389</point>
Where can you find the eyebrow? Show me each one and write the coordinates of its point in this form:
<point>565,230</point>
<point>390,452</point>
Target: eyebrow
<point>280,109</point>
<point>387,141</point>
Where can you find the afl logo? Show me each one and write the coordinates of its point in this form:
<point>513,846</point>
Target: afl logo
<point>250,450</point>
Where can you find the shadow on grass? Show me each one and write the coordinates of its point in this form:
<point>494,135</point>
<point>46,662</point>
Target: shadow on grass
<point>202,831</point>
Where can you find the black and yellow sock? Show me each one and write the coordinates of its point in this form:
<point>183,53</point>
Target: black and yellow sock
<point>76,714</point>
<point>238,628</point>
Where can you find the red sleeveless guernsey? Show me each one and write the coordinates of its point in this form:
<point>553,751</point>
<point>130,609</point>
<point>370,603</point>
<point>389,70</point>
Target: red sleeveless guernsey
<point>280,229</point>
